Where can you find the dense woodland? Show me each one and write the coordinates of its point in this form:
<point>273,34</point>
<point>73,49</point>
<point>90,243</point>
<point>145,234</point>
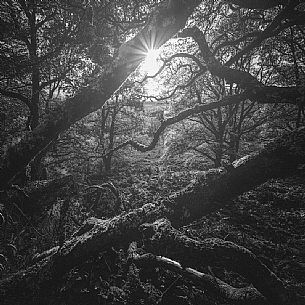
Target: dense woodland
<point>152,152</point>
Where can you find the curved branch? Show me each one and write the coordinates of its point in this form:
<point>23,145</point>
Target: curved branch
<point>261,95</point>
<point>180,87</point>
<point>168,60</point>
<point>229,100</point>
<point>16,95</point>
<point>242,78</point>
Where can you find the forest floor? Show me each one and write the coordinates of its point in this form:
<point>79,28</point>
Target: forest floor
<point>269,221</point>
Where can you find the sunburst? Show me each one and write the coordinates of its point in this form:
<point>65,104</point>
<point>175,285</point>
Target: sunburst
<point>151,64</point>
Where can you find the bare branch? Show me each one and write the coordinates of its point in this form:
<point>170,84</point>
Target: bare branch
<point>168,60</point>
<point>179,87</point>
<point>229,100</point>
<point>236,41</point>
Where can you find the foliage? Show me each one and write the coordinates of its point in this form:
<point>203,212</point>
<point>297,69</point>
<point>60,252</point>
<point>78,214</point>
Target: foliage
<point>51,51</point>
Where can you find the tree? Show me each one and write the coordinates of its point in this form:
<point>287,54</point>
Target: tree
<point>222,134</point>
<point>41,47</point>
<point>89,99</point>
<point>208,193</point>
<point>90,142</point>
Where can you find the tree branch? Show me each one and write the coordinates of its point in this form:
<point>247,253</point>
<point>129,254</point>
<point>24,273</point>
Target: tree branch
<point>270,31</point>
<point>168,60</point>
<point>261,95</point>
<point>229,100</point>
<point>242,78</point>
<point>257,4</point>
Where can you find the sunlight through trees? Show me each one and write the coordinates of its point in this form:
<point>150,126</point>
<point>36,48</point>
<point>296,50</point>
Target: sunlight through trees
<point>151,62</point>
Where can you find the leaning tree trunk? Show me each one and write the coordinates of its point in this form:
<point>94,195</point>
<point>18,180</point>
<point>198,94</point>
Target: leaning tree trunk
<point>164,22</point>
<point>209,193</point>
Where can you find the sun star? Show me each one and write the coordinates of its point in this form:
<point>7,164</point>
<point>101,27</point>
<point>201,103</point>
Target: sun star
<point>150,64</point>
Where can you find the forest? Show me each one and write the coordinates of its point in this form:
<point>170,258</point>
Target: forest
<point>152,152</point>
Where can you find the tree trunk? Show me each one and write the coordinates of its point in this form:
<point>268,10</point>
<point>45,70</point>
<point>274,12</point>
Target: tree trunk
<point>107,164</point>
<point>234,141</point>
<point>209,193</point>
<point>218,156</point>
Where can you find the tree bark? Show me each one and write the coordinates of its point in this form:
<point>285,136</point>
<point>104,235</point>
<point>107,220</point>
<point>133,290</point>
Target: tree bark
<point>206,194</point>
